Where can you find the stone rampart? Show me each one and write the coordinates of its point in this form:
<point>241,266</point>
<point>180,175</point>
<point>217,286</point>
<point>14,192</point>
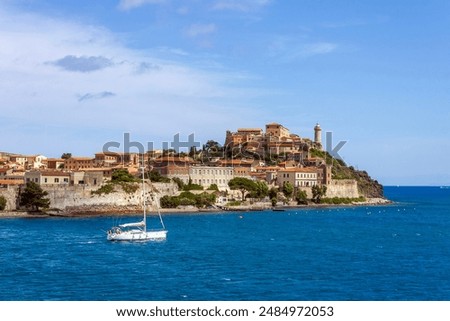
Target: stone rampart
<point>10,194</point>
<point>343,188</point>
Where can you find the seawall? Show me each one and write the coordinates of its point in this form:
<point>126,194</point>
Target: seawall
<point>72,200</point>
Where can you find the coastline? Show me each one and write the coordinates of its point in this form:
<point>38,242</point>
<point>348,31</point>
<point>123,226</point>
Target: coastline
<point>93,212</point>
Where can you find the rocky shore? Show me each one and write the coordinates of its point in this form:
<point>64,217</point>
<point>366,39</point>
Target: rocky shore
<point>93,211</point>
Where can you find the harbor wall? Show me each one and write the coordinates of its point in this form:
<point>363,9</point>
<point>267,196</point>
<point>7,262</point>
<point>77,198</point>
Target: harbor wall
<point>10,194</point>
<point>81,199</point>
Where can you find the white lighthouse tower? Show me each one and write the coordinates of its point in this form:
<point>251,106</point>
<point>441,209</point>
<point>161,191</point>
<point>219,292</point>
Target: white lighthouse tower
<point>318,136</point>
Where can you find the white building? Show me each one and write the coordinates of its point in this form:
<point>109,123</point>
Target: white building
<point>298,177</point>
<point>207,175</point>
<point>47,177</point>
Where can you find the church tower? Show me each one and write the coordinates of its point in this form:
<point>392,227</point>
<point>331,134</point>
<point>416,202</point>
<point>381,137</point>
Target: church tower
<point>318,136</point>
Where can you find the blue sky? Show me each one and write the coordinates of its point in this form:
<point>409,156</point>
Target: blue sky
<point>77,74</point>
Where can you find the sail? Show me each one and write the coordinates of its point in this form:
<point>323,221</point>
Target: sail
<point>138,224</point>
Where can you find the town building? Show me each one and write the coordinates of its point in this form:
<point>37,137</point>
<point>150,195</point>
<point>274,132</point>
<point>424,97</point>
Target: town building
<point>48,177</point>
<point>277,130</point>
<point>77,163</point>
<point>91,176</point>
<point>298,177</point>
<point>208,175</point>
<point>105,159</point>
<point>55,163</point>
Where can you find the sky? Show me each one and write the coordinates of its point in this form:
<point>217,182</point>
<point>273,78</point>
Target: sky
<point>75,75</point>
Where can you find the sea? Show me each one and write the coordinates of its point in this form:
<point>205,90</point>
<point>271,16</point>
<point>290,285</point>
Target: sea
<point>394,252</point>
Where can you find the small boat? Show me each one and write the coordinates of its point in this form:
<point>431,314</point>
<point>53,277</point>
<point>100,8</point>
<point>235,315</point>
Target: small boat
<point>278,209</point>
<point>137,232</point>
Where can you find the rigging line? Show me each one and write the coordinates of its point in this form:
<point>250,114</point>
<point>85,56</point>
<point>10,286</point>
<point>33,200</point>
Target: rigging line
<point>157,207</point>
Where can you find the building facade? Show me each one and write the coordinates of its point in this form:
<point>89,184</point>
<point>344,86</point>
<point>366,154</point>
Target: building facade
<point>298,177</point>
<point>47,177</point>
<point>208,175</point>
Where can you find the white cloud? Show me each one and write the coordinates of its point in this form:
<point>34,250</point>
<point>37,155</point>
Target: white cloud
<point>131,4</point>
<point>65,77</point>
<point>196,30</point>
<point>240,5</point>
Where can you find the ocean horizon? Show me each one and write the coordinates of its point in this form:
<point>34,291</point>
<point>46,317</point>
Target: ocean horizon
<point>390,252</point>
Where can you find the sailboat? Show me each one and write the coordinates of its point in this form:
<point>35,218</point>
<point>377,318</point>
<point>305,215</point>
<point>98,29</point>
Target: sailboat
<point>137,232</point>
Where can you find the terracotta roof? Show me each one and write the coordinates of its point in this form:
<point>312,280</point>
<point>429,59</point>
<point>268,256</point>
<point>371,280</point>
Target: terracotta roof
<point>80,158</point>
<point>95,169</point>
<point>11,181</point>
<point>300,170</point>
<point>249,130</point>
<point>236,161</point>
<point>268,168</point>
<point>173,159</point>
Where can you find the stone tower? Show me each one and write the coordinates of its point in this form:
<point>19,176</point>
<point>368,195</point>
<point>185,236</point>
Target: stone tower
<point>318,136</point>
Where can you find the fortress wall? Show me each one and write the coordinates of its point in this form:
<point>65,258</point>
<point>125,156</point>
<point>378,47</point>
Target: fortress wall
<point>10,193</point>
<point>78,198</point>
<point>338,188</point>
<point>343,188</point>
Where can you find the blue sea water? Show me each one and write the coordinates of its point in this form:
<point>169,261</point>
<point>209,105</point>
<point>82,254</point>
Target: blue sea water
<point>394,252</point>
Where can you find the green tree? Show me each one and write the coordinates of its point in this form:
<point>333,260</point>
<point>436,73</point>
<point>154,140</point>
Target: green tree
<point>179,182</point>
<point>273,193</point>
<point>213,187</point>
<point>301,197</point>
<point>34,197</point>
<point>2,202</point>
<point>243,184</point>
<point>274,201</point>
<point>192,187</point>
<point>66,155</point>
<point>169,201</point>
<point>318,192</point>
<point>156,177</point>
<point>122,175</point>
<point>288,189</point>
<point>261,190</point>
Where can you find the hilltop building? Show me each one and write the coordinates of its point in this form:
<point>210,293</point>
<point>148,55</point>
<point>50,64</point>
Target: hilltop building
<point>274,155</point>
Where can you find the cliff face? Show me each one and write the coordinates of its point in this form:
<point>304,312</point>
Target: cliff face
<point>367,186</point>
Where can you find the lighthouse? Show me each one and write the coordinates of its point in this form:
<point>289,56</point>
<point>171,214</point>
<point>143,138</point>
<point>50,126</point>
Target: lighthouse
<point>318,136</point>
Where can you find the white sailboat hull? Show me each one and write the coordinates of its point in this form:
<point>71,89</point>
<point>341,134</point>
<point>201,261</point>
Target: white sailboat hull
<point>137,235</point>
<point>137,231</point>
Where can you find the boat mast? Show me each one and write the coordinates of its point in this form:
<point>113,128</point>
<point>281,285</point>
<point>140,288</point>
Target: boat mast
<point>143,194</point>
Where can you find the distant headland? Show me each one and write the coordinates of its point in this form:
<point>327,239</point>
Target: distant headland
<point>255,168</point>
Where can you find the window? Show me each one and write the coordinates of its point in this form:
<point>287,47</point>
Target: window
<point>56,180</point>
<point>45,180</point>
<point>66,180</point>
